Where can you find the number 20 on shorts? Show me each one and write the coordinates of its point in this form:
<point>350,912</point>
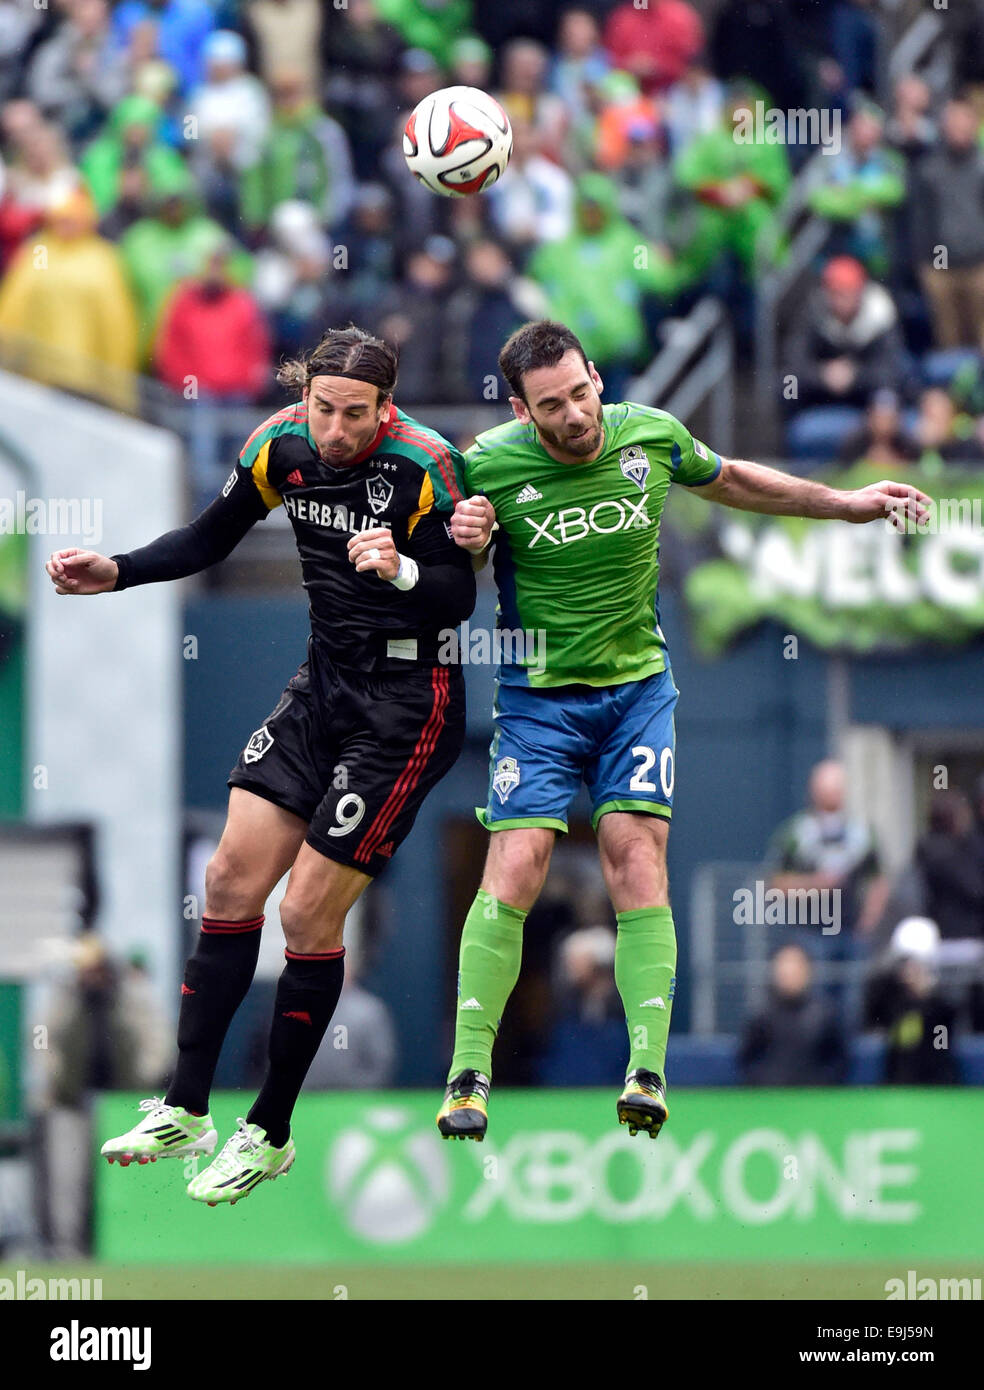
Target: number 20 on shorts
<point>647,761</point>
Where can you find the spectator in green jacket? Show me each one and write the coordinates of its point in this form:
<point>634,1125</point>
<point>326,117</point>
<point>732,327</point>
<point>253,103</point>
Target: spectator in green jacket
<point>738,184</point>
<point>864,182</point>
<point>131,139</point>
<point>173,242</point>
<point>434,25</point>
<point>306,156</point>
<point>596,280</point>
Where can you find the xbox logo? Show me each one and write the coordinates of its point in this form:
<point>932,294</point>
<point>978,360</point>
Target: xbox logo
<point>387,1179</point>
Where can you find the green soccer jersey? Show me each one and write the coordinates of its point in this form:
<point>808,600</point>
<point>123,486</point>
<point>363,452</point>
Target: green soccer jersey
<point>577,550</point>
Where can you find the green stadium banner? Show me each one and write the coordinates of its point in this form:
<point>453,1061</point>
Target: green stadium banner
<point>826,1175</point>
<point>844,587</point>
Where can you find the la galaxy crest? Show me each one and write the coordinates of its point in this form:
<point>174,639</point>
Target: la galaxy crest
<point>380,491</point>
<point>260,742</point>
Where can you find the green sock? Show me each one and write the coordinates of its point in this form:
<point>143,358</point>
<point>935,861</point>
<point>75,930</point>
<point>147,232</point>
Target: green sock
<point>645,973</point>
<point>488,968</point>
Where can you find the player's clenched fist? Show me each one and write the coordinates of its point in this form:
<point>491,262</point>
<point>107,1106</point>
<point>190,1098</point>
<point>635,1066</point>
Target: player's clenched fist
<point>374,550</point>
<point>472,523</point>
<point>81,572</point>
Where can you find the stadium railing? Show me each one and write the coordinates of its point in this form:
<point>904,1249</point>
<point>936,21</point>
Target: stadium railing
<point>694,368</point>
<point>729,959</point>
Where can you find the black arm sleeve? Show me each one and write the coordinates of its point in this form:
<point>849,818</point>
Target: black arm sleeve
<point>212,535</point>
<point>444,594</point>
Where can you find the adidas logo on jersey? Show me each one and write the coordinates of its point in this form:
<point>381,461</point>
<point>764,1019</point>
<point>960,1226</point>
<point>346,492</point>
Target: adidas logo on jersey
<point>472,1004</point>
<point>656,1003</point>
<point>529,494</point>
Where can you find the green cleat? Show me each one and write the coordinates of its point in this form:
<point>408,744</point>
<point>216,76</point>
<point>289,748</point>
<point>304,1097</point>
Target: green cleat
<point>166,1131</point>
<point>465,1114</point>
<point>246,1160</point>
<point>642,1105</point>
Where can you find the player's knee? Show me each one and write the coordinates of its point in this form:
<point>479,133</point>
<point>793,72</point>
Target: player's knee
<point>516,870</point>
<point>635,862</point>
<point>229,890</point>
<point>309,930</point>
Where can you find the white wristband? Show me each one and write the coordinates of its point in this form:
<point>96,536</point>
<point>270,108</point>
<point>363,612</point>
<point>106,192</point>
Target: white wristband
<point>407,575</point>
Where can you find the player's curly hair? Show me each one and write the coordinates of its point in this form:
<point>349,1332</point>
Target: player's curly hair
<point>541,343</point>
<point>347,352</point>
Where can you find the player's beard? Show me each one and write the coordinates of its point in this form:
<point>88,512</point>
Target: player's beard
<point>578,448</point>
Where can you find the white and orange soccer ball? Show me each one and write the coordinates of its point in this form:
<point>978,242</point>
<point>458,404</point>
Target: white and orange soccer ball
<point>457,141</point>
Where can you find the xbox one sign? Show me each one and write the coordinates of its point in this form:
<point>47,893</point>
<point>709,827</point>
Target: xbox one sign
<point>738,1174</point>
<point>388,1177</point>
<point>391,1181</point>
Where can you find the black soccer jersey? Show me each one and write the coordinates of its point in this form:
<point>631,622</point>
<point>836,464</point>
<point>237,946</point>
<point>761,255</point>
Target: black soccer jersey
<point>408,479</point>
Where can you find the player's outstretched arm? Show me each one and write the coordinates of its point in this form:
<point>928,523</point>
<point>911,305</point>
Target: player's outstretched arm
<point>208,539</point>
<point>81,572</point>
<point>751,487</point>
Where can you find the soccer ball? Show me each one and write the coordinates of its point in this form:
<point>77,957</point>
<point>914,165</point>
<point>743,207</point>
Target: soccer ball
<point>457,141</point>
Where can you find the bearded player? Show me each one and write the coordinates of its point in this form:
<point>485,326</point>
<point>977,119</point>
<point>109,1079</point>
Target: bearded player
<point>574,491</point>
<point>331,782</point>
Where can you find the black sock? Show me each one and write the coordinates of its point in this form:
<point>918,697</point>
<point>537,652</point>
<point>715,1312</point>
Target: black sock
<point>307,993</point>
<point>216,979</point>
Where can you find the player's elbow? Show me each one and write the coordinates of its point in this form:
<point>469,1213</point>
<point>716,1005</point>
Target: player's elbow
<point>462,598</point>
<point>446,596</point>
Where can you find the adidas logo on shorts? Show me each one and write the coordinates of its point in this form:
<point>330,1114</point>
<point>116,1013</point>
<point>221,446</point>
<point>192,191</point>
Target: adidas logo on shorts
<point>529,494</point>
<point>655,1003</point>
<point>472,1004</point>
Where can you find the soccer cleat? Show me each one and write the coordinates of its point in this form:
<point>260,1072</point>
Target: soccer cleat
<point>465,1113</point>
<point>166,1131</point>
<point>642,1105</point>
<point>246,1160</point>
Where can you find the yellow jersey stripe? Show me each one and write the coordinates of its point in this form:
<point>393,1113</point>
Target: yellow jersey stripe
<point>424,504</point>
<point>267,491</point>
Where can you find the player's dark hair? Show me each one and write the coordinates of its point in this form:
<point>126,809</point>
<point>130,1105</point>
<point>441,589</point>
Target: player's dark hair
<point>539,344</point>
<point>347,352</point>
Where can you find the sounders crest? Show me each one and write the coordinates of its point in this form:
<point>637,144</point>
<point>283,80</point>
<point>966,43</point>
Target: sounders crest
<point>635,465</point>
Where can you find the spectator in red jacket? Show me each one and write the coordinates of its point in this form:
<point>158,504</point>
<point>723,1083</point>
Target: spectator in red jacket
<point>213,337</point>
<point>214,347</point>
<point>656,42</point>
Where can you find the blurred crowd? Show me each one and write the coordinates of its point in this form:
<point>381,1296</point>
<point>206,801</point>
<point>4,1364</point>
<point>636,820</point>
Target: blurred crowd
<point>885,356</point>
<point>193,188</point>
<point>906,959</point>
<point>900,957</point>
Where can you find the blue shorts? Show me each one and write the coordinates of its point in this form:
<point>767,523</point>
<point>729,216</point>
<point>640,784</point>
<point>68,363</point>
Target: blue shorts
<point>619,738</point>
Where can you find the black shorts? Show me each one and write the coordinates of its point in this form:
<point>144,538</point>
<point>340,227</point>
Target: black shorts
<point>354,754</point>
